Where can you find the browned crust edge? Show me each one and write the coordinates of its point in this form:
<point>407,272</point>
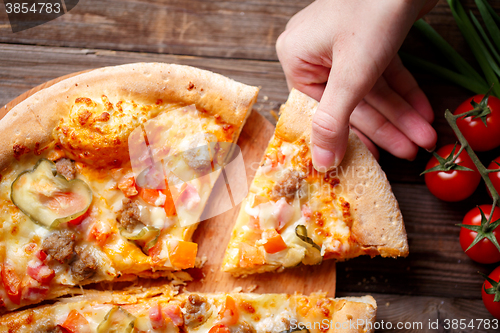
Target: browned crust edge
<point>30,123</point>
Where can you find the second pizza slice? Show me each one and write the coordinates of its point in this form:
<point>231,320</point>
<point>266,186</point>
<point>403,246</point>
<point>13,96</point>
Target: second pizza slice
<point>294,214</point>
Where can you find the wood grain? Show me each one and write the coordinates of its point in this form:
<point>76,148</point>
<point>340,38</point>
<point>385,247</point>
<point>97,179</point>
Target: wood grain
<point>418,312</point>
<point>24,67</point>
<point>225,29</point>
<point>229,29</point>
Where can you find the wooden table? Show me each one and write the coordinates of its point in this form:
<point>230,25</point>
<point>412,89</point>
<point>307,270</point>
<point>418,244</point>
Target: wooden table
<point>236,39</point>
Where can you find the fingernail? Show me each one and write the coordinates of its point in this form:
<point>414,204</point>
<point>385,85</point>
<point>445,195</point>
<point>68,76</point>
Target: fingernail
<point>323,160</point>
<point>431,150</point>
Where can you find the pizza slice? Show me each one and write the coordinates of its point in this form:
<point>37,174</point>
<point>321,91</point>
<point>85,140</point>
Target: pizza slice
<point>294,214</point>
<point>160,311</point>
<point>104,176</point>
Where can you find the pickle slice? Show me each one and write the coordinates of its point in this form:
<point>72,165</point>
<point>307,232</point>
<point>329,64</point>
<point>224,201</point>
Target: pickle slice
<point>117,320</point>
<point>47,198</point>
<point>145,238</point>
<point>313,253</point>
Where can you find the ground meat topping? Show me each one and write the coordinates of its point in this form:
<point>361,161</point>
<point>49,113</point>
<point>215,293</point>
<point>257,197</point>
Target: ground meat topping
<point>287,184</point>
<point>130,215</point>
<point>85,266</point>
<point>197,310</point>
<point>67,168</point>
<point>198,156</point>
<point>60,245</point>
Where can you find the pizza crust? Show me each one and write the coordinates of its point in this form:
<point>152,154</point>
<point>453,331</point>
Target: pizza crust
<point>377,220</point>
<point>349,314</point>
<point>29,125</point>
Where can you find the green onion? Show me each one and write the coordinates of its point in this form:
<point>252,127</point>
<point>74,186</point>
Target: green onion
<point>485,37</point>
<point>492,12</point>
<point>489,22</point>
<point>477,47</point>
<point>447,50</point>
<point>445,73</point>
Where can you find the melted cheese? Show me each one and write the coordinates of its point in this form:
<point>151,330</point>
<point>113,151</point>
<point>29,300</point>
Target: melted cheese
<point>326,224</point>
<point>99,123</point>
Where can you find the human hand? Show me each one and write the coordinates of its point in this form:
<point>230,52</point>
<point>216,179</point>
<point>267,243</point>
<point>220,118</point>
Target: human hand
<point>343,53</point>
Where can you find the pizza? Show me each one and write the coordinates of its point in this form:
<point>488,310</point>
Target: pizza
<point>104,176</point>
<point>160,310</point>
<point>294,214</point>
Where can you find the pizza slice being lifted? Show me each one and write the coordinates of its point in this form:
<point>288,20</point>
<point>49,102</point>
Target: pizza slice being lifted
<point>103,176</point>
<point>159,310</point>
<point>294,214</point>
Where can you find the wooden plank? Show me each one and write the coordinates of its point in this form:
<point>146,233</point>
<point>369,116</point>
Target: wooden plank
<point>417,313</point>
<point>436,265</point>
<point>229,29</point>
<point>24,67</point>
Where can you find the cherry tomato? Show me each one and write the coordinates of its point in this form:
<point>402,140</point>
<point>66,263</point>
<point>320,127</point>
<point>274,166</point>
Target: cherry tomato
<point>494,176</point>
<point>488,300</point>
<point>479,136</point>
<point>454,185</point>
<point>485,251</point>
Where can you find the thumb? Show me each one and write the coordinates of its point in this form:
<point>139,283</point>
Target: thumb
<point>330,126</point>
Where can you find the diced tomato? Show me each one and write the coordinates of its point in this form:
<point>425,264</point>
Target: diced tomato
<point>169,202</point>
<point>155,252</point>
<point>219,328</point>
<point>100,232</point>
<point>156,317</point>
<point>12,283</point>
<point>41,255</point>
<point>174,313</point>
<point>182,254</point>
<point>76,323</point>
<point>275,242</point>
<point>229,313</point>
<point>127,186</point>
<point>40,272</point>
<point>149,195</point>
<point>250,256</point>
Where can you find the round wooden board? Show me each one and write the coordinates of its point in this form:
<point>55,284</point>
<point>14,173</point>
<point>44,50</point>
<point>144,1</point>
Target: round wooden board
<point>213,234</point>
